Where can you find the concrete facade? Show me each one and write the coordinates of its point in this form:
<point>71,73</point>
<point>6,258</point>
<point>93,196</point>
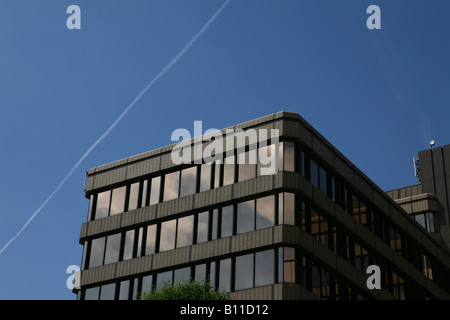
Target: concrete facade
<point>395,207</point>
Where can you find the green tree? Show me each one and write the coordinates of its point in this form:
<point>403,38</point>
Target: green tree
<point>188,290</point>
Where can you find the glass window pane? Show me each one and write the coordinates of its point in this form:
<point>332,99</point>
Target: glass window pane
<point>112,248</point>
<point>247,166</point>
<point>167,241</point>
<point>155,190</point>
<point>215,220</point>
<point>91,205</point>
<point>144,193</point>
<point>188,181</point>
<point>202,227</point>
<point>205,177</point>
<point>185,232</point>
<point>124,291</point>
<point>200,272</point>
<point>139,242</point>
<point>314,173</point>
<point>265,212</point>
<point>225,275</point>
<point>135,289</point>
<point>264,268</point>
<point>129,245</point>
<point>134,196</point>
<point>227,221</point>
<point>287,209</point>
<point>323,180</point>
<point>102,208</point>
<point>217,172</point>
<point>420,218</point>
<point>92,293</point>
<point>244,272</point>
<point>163,277</point>
<point>281,156</point>
<point>118,200</point>
<point>430,222</point>
<point>151,239</point>
<point>171,185</point>
<point>267,161</point>
<point>182,275</point>
<point>245,216</point>
<point>147,283</point>
<point>289,156</point>
<point>108,291</point>
<point>228,170</point>
<point>97,252</point>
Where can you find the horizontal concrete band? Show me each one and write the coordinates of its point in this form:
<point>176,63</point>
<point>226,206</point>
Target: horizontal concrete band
<point>221,248</point>
<point>419,203</point>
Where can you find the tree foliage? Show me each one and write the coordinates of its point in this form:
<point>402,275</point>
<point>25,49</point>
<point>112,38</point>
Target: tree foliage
<point>188,290</point>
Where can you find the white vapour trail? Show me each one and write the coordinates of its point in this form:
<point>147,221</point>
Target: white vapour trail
<point>112,126</point>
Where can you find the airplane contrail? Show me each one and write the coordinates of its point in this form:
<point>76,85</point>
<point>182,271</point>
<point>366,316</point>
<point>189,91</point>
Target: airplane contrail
<point>123,114</point>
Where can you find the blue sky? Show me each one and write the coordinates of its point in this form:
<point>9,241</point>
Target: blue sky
<point>379,96</point>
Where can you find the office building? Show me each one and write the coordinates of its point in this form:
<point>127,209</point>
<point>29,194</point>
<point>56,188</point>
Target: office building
<point>308,231</point>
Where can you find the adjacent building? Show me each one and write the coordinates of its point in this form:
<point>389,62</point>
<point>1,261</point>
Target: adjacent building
<point>308,231</point>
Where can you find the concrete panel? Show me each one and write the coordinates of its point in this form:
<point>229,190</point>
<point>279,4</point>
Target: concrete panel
<point>343,167</point>
<point>323,150</point>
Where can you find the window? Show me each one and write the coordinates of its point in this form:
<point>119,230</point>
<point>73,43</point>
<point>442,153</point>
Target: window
<point>155,190</point>
<point>244,272</point>
<point>182,275</point>
<point>108,291</point>
<point>124,290</point>
<point>167,239</point>
<point>92,293</point>
<point>202,227</point>
<point>314,173</point>
<point>171,185</point>
<point>188,184</point>
<point>162,278</point>
<point>112,248</point>
<point>264,268</point>
<point>205,177</point>
<point>286,208</point>
<point>225,275</point>
<point>227,221</point>
<point>286,265</point>
<point>288,156</point>
<point>97,252</point>
<point>247,165</point>
<point>147,283</point>
<point>134,197</point>
<point>129,245</point>
<point>265,212</point>
<point>245,216</point>
<point>102,208</point>
<point>185,231</point>
<point>200,272</point>
<point>144,193</point>
<point>91,205</point>
<point>323,180</point>
<point>268,162</point>
<point>217,173</point>
<point>118,200</point>
<point>228,170</point>
<point>151,239</point>
<point>215,224</point>
<point>139,242</point>
<point>425,220</point>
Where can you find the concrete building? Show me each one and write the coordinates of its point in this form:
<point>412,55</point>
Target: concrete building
<point>308,231</point>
